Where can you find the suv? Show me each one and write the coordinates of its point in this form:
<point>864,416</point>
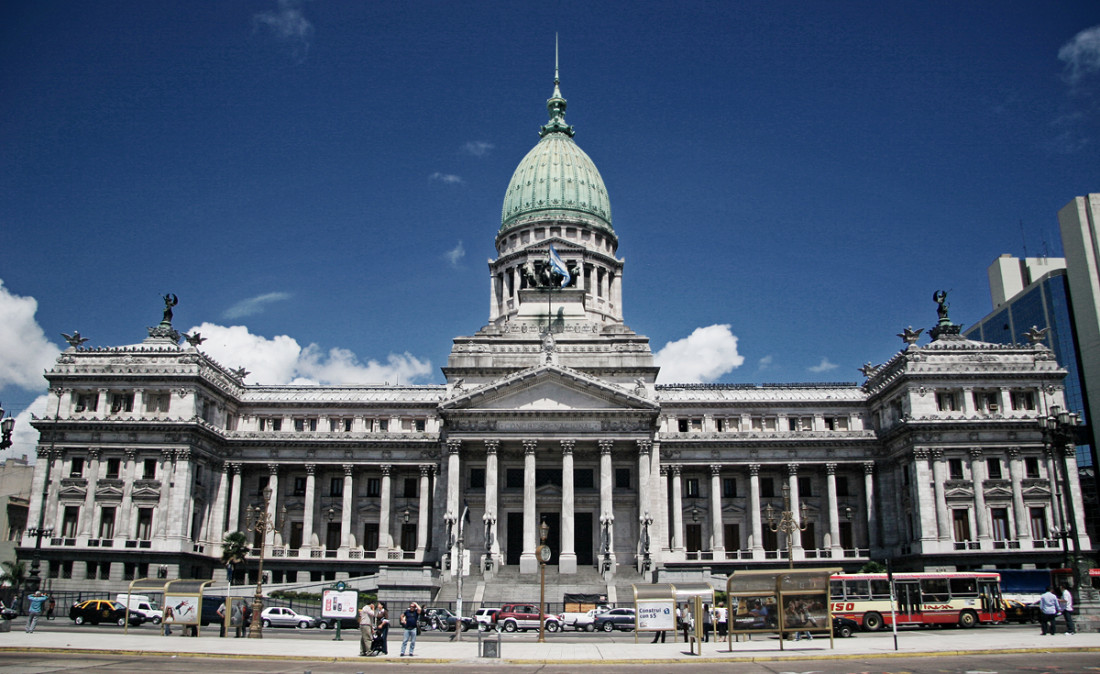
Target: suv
<point>525,617</point>
<point>486,618</point>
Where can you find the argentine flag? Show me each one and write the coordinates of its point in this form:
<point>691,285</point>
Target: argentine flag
<point>558,266</point>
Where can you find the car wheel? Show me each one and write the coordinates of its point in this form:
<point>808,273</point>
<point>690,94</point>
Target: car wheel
<point>844,631</point>
<point>322,625</point>
<point>589,628</point>
<point>552,627</point>
<point>608,626</point>
<point>156,621</point>
<point>265,623</point>
<point>481,627</point>
<point>510,626</point>
<point>465,627</point>
<point>303,625</point>
<point>968,619</point>
<point>872,622</point>
<point>79,620</point>
<point>122,622</point>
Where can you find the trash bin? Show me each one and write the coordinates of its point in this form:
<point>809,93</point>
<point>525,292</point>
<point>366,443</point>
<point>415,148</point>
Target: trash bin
<point>488,647</point>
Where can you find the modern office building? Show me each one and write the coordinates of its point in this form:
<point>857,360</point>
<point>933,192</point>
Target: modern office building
<point>550,414</point>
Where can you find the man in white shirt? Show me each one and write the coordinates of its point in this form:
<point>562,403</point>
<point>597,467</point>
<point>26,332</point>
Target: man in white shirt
<point>1066,602</point>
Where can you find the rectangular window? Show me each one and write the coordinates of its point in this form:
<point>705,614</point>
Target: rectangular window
<point>622,478</point>
<point>993,467</point>
<point>149,469</point>
<point>1000,523</point>
<point>303,425</point>
<point>271,423</point>
<point>86,402</point>
<point>513,478</point>
<point>800,423</point>
<point>955,469</point>
<point>370,536</point>
<point>156,402</point>
<point>300,486</point>
<point>683,425</point>
<point>69,520</point>
<point>720,425</point>
<point>477,478</point>
<point>691,487</point>
<point>411,484</point>
<point>961,521</point>
<point>583,478</point>
<point>382,425</point>
<point>374,487</point>
<point>946,401</point>
<point>842,486</point>
<point>107,523</point>
<point>347,425</point>
<point>114,467</point>
<point>731,536</point>
<point>1031,466</point>
<point>336,486</point>
<point>1022,400</point>
<point>92,568</point>
<point>729,487</point>
<point>419,425</point>
<point>805,487</point>
<point>1038,523</point>
<point>76,468</point>
<point>122,402</point>
<point>767,487</point>
<point>986,401</point>
<point>836,423</point>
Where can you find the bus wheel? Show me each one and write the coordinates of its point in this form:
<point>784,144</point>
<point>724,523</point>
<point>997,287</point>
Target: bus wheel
<point>968,619</point>
<point>872,622</point>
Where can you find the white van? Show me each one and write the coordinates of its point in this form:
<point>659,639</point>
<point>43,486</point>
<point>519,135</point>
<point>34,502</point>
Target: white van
<point>141,605</point>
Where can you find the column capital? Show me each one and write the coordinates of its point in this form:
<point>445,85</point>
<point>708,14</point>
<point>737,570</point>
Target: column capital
<point>567,447</point>
<point>454,446</point>
<point>183,454</point>
<point>868,467</point>
<point>754,469</point>
<point>830,469</point>
<point>529,446</point>
<point>715,470</point>
<point>426,469</point>
<point>792,470</point>
<point>975,453</point>
<point>606,445</point>
<point>236,467</point>
<point>130,453</point>
<point>225,467</point>
<point>937,454</point>
<point>166,454</point>
<point>664,470</point>
<point>273,468</point>
<point>644,447</point>
<point>387,469</point>
<point>93,452</point>
<point>492,446</point>
<point>1014,452</point>
<point>676,468</point>
<point>348,468</point>
<point>311,468</point>
<point>921,454</point>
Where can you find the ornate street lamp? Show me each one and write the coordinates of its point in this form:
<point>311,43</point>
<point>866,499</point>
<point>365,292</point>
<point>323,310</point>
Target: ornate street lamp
<point>1060,437</point>
<point>544,557</point>
<point>7,425</point>
<point>787,523</point>
<point>262,522</point>
<point>646,521</point>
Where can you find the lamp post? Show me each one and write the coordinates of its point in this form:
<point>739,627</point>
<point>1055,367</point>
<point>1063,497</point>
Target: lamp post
<point>1060,435</point>
<point>646,521</point>
<point>787,523</point>
<point>544,556</point>
<point>262,522</point>
<point>7,425</point>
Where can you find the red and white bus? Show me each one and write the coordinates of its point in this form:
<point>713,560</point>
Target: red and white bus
<point>963,599</point>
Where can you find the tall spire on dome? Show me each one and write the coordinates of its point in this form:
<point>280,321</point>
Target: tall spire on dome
<point>556,105</point>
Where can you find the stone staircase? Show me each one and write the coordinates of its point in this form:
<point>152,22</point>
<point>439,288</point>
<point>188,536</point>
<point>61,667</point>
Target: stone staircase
<point>509,585</point>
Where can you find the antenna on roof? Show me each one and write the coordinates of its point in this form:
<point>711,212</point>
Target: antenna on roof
<point>1023,238</point>
<point>555,58</point>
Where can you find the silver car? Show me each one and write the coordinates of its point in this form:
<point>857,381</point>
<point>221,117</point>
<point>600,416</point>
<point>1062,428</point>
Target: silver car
<point>279,616</point>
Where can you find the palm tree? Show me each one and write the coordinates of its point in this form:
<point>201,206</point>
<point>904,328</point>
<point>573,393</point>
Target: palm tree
<point>14,573</point>
<point>234,549</point>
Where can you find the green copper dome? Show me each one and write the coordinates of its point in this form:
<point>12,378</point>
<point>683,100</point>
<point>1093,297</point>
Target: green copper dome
<point>556,179</point>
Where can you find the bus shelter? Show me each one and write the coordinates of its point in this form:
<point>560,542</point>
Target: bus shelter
<point>142,586</point>
<point>780,602</point>
<point>655,606</point>
<point>183,602</point>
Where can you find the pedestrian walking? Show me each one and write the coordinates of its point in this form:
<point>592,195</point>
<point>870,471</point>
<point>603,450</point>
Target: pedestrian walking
<point>51,607</point>
<point>236,618</point>
<point>1066,604</point>
<point>1048,611</point>
<point>35,604</point>
<point>722,620</point>
<point>382,628</point>
<point>366,628</point>
<point>409,620</point>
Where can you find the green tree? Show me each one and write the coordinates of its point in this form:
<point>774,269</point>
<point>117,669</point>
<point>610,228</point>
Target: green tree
<point>13,573</point>
<point>873,567</point>
<point>234,550</point>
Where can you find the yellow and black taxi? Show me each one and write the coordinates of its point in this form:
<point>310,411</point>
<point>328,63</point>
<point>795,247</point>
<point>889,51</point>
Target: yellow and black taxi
<point>96,611</point>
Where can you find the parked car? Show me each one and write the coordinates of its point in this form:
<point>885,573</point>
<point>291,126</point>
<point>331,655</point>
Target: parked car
<point>486,618</point>
<point>280,616</point>
<point>583,621</point>
<point>523,617</point>
<point>142,605</point>
<point>844,627</point>
<point>96,611</point>
<point>442,619</point>
<point>615,619</point>
<point>1021,612</point>
<point>345,623</point>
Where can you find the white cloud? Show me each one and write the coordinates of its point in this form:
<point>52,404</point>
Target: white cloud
<point>823,366</point>
<point>764,363</point>
<point>1081,54</point>
<point>281,360</point>
<point>254,305</point>
<point>705,355</point>
<point>478,148</point>
<point>455,255</point>
<point>287,23</point>
<point>24,438</point>
<point>448,178</point>
<point>24,350</point>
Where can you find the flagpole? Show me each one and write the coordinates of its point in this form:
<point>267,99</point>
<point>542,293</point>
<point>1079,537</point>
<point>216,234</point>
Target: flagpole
<point>549,293</point>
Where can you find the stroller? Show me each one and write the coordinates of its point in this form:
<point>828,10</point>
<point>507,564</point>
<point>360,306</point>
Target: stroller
<point>378,643</point>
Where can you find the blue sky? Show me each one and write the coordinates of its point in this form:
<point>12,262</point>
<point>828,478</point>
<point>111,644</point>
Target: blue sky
<point>320,182</point>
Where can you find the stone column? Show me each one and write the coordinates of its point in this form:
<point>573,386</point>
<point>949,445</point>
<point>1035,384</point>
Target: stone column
<point>454,509</point>
<point>235,499</point>
<point>1058,511</point>
<point>347,507</point>
<point>981,513</point>
<point>607,507</point>
<point>385,537</point>
<point>217,517</point>
<point>422,512</point>
<point>757,543</point>
<point>309,506</point>
<point>939,483</point>
<point>164,472</point>
<point>183,498</point>
<point>926,509</point>
<point>273,505</point>
<point>796,513</point>
<point>1019,510</point>
<point>873,538</point>
<point>491,516</point>
<point>677,512</point>
<point>834,511</point>
<point>664,529</point>
<point>645,474</point>
<point>87,513</point>
<point>718,544</point>
<point>567,559</point>
<point>122,530</point>
<point>527,561</point>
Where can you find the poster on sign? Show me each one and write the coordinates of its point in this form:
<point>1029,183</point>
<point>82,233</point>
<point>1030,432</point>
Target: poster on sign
<point>337,604</point>
<point>655,615</point>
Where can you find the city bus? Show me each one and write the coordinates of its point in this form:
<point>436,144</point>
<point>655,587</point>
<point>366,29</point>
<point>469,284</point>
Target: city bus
<point>964,599</point>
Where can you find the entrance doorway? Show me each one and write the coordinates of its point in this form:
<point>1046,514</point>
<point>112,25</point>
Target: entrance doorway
<point>582,530</point>
<point>515,539</point>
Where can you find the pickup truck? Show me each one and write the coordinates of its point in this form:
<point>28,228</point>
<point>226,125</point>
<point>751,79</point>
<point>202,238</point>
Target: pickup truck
<point>523,617</point>
<point>583,621</point>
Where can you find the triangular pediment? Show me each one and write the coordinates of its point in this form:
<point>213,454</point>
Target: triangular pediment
<point>549,388</point>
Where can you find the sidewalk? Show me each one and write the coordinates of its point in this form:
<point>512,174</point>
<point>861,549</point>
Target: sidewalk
<point>525,650</point>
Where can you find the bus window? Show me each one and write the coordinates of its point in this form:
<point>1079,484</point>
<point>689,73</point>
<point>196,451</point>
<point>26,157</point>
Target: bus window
<point>880,589</point>
<point>857,589</point>
<point>836,589</point>
<point>935,589</point>
<point>964,587</point>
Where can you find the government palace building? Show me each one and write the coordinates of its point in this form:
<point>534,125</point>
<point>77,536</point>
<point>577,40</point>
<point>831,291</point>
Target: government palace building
<point>151,453</point>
